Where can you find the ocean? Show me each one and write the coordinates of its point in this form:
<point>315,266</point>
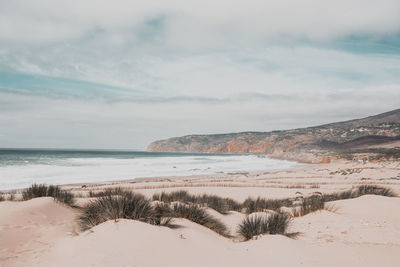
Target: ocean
<point>19,168</point>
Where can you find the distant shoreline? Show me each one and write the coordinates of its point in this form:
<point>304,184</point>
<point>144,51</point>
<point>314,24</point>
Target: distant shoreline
<point>23,168</point>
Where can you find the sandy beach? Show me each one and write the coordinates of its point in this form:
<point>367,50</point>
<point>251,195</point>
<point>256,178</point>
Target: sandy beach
<point>199,133</point>
<point>363,231</point>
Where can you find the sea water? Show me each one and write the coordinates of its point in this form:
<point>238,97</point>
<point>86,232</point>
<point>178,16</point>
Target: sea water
<point>19,168</point>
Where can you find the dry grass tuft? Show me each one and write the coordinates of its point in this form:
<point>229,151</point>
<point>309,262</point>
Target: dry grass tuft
<point>106,192</point>
<point>113,205</point>
<point>41,190</point>
<point>126,205</point>
<point>198,215</point>
<point>262,204</point>
<point>360,191</point>
<point>275,223</point>
<point>222,205</point>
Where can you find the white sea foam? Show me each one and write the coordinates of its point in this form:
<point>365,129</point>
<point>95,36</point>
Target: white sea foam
<point>85,170</point>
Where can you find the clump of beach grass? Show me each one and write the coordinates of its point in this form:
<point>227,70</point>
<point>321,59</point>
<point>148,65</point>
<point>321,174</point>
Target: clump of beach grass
<point>317,201</point>
<point>162,215</point>
<point>126,205</point>
<point>374,190</point>
<point>261,204</point>
<point>179,195</point>
<point>360,191</point>
<point>275,223</point>
<point>106,192</point>
<point>42,190</point>
<point>121,204</point>
<point>198,215</point>
<point>310,204</point>
<point>222,205</point>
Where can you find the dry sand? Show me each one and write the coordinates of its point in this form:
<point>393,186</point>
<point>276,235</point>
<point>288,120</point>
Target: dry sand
<point>363,232</point>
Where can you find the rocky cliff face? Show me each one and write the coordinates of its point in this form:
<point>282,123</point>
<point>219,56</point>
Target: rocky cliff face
<point>329,137</point>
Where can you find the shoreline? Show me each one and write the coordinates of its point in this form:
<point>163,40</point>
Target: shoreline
<point>155,179</point>
<point>220,174</point>
<point>309,171</point>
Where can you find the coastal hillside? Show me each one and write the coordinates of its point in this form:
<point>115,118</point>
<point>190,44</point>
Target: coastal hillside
<point>370,135</point>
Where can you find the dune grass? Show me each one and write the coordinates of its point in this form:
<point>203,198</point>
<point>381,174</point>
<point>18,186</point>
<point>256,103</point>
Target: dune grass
<point>42,190</point>
<point>126,205</point>
<point>307,204</point>
<point>162,215</point>
<point>373,190</point>
<point>179,195</point>
<point>261,204</point>
<point>222,205</point>
<point>121,204</point>
<point>360,191</point>
<point>315,202</point>
<point>112,204</point>
<point>106,192</point>
<point>275,223</point>
<point>198,215</point>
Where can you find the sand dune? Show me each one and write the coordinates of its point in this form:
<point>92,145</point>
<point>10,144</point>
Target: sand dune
<point>363,232</point>
<point>28,229</point>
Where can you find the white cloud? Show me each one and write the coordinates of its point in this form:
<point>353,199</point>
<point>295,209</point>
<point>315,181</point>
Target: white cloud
<point>199,23</point>
<point>271,70</point>
<point>204,67</point>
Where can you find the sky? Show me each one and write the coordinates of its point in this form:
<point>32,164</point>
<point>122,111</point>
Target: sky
<point>121,74</point>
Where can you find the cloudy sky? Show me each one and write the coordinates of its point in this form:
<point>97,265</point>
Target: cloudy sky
<point>122,73</point>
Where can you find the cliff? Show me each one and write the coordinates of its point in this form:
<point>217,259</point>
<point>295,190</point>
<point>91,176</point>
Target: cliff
<point>329,139</point>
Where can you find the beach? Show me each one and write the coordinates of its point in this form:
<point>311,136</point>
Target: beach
<point>362,231</point>
<point>200,133</point>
